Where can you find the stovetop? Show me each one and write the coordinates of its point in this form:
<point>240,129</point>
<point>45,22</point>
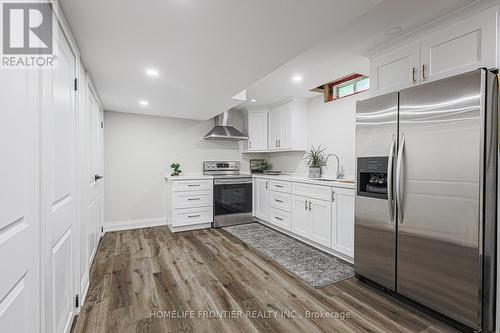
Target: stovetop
<point>223,169</point>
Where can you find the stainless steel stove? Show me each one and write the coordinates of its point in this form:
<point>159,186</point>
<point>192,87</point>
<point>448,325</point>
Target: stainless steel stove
<point>232,193</point>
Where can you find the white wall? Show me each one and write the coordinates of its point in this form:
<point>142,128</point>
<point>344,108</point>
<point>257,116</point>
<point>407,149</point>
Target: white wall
<point>333,126</point>
<point>138,151</point>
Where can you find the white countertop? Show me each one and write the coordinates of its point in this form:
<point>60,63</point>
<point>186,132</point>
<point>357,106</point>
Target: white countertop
<point>307,180</point>
<point>283,177</point>
<point>189,176</point>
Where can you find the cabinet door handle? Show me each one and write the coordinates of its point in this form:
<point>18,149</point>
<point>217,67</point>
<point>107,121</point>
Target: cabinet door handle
<point>309,205</point>
<point>193,216</point>
<point>277,200</point>
<point>266,185</point>
<point>193,199</point>
<point>423,72</point>
<point>414,75</point>
<point>305,202</point>
<point>249,144</point>
<point>280,186</point>
<point>333,195</point>
<point>193,185</point>
<point>278,218</point>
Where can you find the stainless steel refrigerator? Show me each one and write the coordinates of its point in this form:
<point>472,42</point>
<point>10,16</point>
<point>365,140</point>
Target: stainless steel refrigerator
<point>426,201</point>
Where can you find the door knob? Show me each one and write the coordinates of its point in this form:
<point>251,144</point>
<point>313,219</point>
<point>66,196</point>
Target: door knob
<point>97,177</point>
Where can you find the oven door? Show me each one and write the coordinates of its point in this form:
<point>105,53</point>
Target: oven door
<point>232,201</point>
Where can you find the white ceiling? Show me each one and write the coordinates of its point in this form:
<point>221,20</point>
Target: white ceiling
<point>341,52</point>
<point>205,51</point>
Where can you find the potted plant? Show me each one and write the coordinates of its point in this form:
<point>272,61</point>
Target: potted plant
<point>316,158</point>
<point>175,169</point>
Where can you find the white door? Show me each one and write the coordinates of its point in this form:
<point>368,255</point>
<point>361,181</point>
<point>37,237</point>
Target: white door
<point>19,224</point>
<point>262,199</point>
<point>94,167</point>
<point>321,221</point>
<point>463,46</point>
<point>257,130</point>
<point>343,234</point>
<point>58,189</point>
<point>301,219</point>
<point>274,128</point>
<point>395,70</point>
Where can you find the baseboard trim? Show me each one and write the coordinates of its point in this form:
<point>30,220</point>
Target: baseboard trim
<point>84,288</point>
<point>182,228</point>
<point>134,224</point>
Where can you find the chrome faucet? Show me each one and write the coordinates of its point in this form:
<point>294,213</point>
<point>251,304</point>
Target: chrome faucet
<point>340,169</point>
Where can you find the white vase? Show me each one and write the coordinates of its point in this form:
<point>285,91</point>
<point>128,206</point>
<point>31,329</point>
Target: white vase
<point>314,172</point>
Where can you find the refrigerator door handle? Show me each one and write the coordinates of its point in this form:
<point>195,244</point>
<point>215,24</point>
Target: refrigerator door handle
<point>390,199</point>
<point>399,191</point>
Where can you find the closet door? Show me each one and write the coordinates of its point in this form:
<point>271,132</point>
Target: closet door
<point>94,143</point>
<point>58,188</point>
<point>19,189</point>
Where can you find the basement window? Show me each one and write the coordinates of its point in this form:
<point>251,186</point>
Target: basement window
<point>346,86</point>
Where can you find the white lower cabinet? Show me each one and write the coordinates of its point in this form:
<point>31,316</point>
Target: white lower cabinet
<point>343,222</point>
<point>261,199</point>
<point>189,204</point>
<point>301,224</point>
<point>280,218</point>
<point>311,218</point>
<point>320,215</point>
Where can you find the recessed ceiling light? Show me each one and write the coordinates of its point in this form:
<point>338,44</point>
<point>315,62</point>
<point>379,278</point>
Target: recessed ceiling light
<point>297,78</point>
<point>143,103</point>
<point>253,100</point>
<point>393,31</point>
<point>152,72</point>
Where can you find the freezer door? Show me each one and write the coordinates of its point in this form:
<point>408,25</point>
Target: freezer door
<point>438,188</point>
<point>375,220</point>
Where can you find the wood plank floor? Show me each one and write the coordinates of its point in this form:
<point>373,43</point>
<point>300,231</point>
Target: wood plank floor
<point>150,280</point>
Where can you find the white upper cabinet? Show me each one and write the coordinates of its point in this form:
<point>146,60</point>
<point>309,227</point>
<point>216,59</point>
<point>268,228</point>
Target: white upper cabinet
<point>282,128</point>
<point>395,70</point>
<point>460,47</point>
<point>275,129</point>
<point>465,45</point>
<point>257,130</point>
<point>288,125</point>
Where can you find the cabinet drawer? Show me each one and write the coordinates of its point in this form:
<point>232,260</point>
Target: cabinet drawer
<point>192,185</point>
<point>281,201</point>
<point>313,191</point>
<point>189,216</point>
<point>192,199</point>
<point>280,218</point>
<point>281,186</point>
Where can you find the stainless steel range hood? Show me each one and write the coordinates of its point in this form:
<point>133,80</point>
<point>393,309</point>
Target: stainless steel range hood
<point>223,132</point>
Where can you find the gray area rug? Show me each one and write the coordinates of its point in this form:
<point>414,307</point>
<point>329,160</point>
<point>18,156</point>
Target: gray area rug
<point>313,266</point>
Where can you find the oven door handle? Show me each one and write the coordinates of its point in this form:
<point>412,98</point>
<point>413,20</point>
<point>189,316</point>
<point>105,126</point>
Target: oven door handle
<point>232,181</point>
